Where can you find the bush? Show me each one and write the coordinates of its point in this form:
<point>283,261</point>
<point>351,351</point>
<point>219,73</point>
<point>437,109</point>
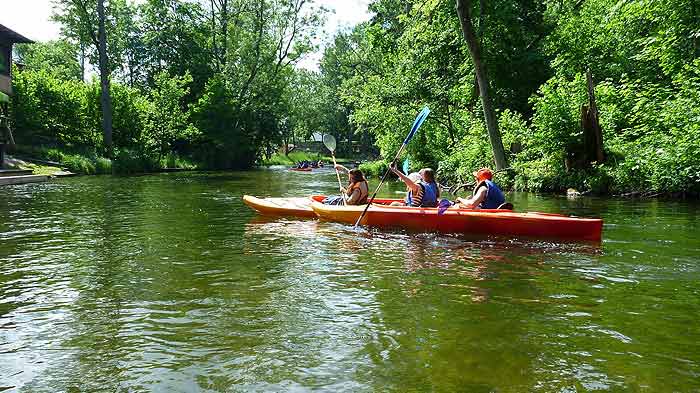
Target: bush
<point>128,162</point>
<point>79,164</point>
<point>53,155</point>
<point>374,168</point>
<point>228,132</point>
<point>293,158</point>
<point>103,166</point>
<point>472,152</point>
<point>46,109</point>
<point>172,160</point>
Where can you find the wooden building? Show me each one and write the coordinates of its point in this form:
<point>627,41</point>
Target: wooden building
<point>7,39</point>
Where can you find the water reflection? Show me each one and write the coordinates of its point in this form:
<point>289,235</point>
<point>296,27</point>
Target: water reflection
<point>169,283</point>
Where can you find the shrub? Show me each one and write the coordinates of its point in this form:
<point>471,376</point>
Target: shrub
<point>79,164</point>
<point>103,165</point>
<point>374,168</point>
<point>128,161</point>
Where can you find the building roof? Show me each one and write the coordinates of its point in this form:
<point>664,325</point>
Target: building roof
<point>7,34</point>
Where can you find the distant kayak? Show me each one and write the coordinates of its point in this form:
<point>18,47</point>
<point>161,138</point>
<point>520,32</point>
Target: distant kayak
<point>469,221</point>
<point>300,169</point>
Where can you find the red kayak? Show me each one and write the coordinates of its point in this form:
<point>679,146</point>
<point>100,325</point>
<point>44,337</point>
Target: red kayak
<point>454,220</point>
<point>468,221</point>
<point>300,169</point>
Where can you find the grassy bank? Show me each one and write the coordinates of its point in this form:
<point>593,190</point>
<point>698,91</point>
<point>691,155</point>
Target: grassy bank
<point>89,163</point>
<point>294,157</point>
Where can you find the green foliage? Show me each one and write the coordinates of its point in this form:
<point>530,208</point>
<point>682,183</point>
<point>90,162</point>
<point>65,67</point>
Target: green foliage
<point>172,160</point>
<point>164,119</point>
<point>293,158</point>
<point>187,78</point>
<point>556,123</point>
<point>46,109</point>
<point>60,58</point>
<point>191,81</point>
<point>470,154</point>
<point>643,56</point>
<point>78,164</point>
<point>103,165</point>
<point>134,161</point>
<point>374,168</point>
<point>226,143</point>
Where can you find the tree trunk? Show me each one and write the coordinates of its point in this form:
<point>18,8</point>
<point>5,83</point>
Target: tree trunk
<point>105,97</point>
<point>595,130</point>
<point>464,14</point>
<point>224,29</point>
<point>82,61</point>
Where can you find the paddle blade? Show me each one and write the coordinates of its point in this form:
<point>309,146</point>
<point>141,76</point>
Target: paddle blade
<point>329,141</point>
<point>406,166</point>
<point>416,124</point>
<point>443,206</point>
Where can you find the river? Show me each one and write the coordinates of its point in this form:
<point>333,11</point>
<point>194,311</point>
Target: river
<point>168,283</point>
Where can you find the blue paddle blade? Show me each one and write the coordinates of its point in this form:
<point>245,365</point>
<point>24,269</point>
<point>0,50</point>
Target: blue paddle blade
<point>406,166</point>
<point>416,124</point>
<point>443,206</point>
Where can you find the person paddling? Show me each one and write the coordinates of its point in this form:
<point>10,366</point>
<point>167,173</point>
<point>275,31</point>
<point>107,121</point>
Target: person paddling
<point>487,195</point>
<point>421,193</point>
<point>431,197</point>
<point>357,190</point>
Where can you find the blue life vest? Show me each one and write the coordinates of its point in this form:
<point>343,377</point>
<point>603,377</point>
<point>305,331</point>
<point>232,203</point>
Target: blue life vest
<point>494,195</point>
<point>430,195</point>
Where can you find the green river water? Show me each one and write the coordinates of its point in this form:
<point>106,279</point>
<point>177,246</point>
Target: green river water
<point>169,283</point>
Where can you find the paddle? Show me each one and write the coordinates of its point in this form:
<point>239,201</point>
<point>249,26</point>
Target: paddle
<point>406,166</point>
<point>329,141</point>
<point>416,124</point>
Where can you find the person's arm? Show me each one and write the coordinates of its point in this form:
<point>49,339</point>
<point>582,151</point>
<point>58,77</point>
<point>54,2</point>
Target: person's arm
<point>354,197</point>
<point>475,200</point>
<point>409,183</point>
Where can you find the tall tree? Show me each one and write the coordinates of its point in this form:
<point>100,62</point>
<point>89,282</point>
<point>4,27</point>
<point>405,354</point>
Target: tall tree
<point>79,19</point>
<point>105,98</point>
<point>464,13</point>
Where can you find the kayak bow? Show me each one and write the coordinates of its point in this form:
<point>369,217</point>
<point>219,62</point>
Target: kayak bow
<point>296,207</point>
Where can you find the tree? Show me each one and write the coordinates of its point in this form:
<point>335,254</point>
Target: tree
<point>165,120</point>
<point>105,98</point>
<point>59,58</point>
<point>79,18</point>
<point>464,13</point>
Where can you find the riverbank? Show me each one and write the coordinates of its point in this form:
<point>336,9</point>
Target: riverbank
<point>297,156</point>
<point>43,160</point>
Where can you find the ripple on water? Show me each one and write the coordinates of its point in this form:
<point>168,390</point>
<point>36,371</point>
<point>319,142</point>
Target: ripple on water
<point>169,283</point>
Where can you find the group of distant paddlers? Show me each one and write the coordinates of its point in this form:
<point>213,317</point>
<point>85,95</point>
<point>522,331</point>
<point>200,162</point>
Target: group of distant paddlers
<point>309,164</point>
<point>423,190</point>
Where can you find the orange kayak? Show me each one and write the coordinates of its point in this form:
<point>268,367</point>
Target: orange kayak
<point>300,169</point>
<point>297,207</point>
<point>486,222</point>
